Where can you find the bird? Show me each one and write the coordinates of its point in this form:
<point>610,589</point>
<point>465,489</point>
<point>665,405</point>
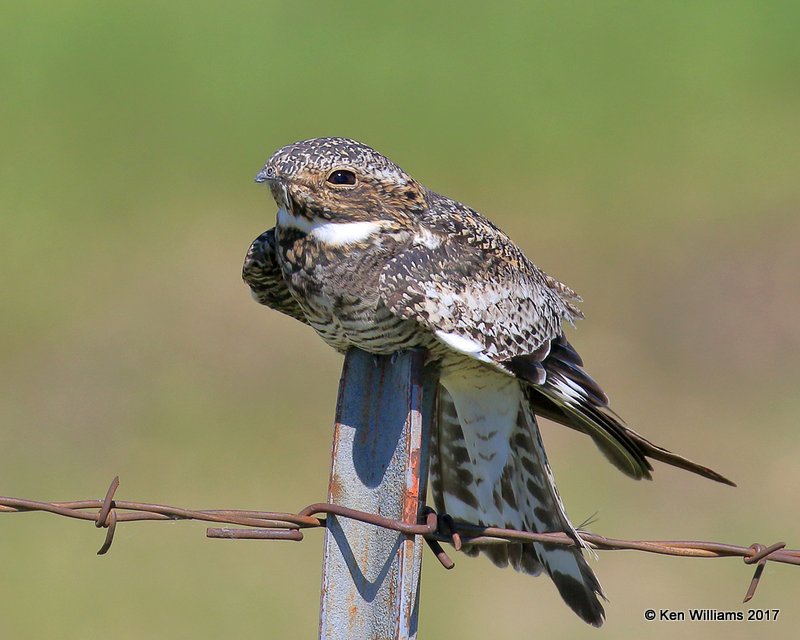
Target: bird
<point>371,258</point>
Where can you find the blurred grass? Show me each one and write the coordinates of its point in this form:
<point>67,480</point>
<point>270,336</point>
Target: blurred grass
<point>646,153</point>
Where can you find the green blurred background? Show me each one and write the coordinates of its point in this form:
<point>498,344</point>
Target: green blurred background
<point>645,153</point>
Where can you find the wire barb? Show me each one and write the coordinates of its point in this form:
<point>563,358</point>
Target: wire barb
<point>760,556</point>
<point>435,529</point>
<point>107,516</point>
<point>432,522</point>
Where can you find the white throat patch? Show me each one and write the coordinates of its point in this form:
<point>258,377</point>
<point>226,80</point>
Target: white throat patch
<point>333,234</point>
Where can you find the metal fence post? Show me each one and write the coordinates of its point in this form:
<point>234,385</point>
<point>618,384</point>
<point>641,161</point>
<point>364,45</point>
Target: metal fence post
<point>371,576</point>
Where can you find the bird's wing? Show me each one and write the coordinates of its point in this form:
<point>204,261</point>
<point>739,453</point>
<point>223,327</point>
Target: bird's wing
<point>479,294</point>
<point>571,397</point>
<point>262,274</point>
<point>480,297</point>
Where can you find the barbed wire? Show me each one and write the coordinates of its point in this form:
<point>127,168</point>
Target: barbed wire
<point>437,528</point>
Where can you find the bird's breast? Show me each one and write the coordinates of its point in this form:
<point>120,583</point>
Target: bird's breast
<point>336,285</point>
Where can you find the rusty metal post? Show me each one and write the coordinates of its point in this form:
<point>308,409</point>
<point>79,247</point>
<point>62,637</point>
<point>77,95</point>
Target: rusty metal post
<point>371,575</point>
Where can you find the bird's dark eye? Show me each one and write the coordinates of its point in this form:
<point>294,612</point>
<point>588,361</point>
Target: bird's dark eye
<point>342,176</point>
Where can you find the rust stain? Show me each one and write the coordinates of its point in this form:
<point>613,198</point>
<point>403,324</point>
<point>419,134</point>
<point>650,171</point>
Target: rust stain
<point>335,488</point>
<point>411,493</point>
<point>365,555</point>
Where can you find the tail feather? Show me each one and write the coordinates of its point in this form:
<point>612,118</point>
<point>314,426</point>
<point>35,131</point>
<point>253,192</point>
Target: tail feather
<point>452,478</point>
<point>524,498</point>
<point>545,511</point>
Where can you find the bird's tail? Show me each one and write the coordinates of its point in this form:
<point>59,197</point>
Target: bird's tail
<point>524,497</point>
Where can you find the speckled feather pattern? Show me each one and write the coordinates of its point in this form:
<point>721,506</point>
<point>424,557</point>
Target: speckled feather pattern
<point>263,276</point>
<point>476,283</point>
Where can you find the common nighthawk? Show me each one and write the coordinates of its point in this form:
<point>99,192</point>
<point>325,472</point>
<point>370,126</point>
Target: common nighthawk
<point>370,258</point>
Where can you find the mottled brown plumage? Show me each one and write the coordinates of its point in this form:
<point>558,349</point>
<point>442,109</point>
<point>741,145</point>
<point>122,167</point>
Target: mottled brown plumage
<point>370,258</point>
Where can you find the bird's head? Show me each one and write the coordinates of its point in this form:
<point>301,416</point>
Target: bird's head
<point>340,180</point>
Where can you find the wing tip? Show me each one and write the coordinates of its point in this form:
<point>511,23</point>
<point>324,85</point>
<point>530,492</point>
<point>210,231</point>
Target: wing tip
<point>668,457</point>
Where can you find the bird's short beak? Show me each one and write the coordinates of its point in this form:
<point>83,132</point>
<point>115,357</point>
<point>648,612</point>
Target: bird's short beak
<point>265,174</point>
